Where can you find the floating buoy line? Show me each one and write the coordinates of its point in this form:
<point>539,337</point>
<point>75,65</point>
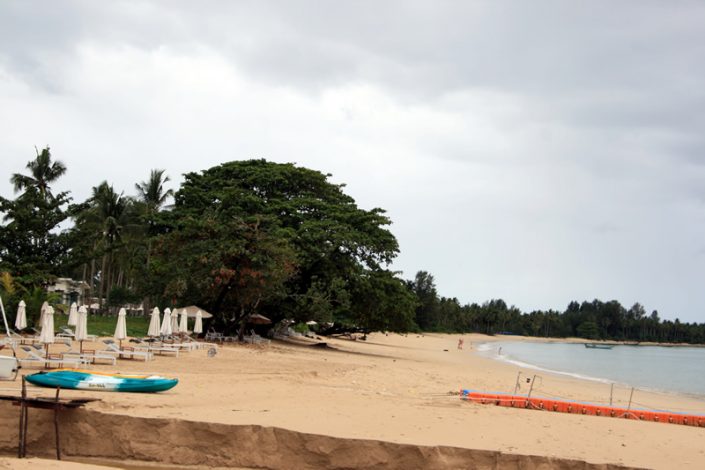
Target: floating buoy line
<point>573,407</point>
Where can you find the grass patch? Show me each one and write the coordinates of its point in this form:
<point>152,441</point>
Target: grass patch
<point>104,325</point>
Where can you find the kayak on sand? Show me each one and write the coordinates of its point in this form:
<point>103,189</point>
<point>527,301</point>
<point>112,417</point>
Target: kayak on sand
<point>87,380</point>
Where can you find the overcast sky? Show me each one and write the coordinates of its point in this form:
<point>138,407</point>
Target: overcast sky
<point>538,152</point>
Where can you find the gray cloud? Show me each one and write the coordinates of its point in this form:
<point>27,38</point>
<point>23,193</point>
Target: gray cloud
<point>540,152</point>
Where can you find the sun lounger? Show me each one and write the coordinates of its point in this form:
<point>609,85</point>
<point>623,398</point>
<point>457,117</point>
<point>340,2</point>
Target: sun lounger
<point>91,355</point>
<point>214,336</point>
<point>129,352</point>
<point>16,339</point>
<point>58,360</point>
<point>67,332</point>
<point>199,344</point>
<point>157,348</point>
<point>254,338</point>
<point>175,342</point>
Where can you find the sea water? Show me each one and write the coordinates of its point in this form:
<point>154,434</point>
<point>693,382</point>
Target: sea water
<point>671,369</point>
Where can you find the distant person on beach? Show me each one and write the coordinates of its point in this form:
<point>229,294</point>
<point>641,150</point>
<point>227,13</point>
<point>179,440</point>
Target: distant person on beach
<point>460,343</point>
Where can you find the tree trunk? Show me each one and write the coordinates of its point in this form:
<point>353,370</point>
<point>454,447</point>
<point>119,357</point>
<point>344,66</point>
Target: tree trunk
<point>103,279</point>
<point>241,330</point>
<point>109,278</point>
<point>91,286</point>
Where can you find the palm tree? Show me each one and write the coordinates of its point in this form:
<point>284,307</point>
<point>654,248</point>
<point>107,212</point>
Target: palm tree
<point>108,213</point>
<point>42,172</point>
<point>151,192</point>
<point>153,197</point>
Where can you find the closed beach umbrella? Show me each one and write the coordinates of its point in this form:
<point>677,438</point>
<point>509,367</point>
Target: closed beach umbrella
<point>73,314</point>
<point>82,325</point>
<point>198,327</point>
<point>174,322</point>
<point>47,334</point>
<point>166,330</point>
<point>121,327</point>
<point>183,322</point>
<point>154,323</point>
<point>21,320</point>
<point>42,310</point>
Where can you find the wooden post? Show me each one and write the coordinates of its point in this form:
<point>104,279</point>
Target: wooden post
<point>531,389</point>
<point>21,428</point>
<point>56,424</point>
<point>611,392</point>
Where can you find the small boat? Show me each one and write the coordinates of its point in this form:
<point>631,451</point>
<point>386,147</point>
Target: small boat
<point>599,346</point>
<point>88,380</point>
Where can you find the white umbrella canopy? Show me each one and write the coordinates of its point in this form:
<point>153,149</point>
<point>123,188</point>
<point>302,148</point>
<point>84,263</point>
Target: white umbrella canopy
<point>21,320</point>
<point>198,327</point>
<point>121,327</point>
<point>174,322</point>
<point>183,322</point>
<point>73,315</point>
<point>166,330</point>
<point>154,323</point>
<point>191,310</point>
<point>82,325</point>
<point>42,310</point>
<point>47,334</point>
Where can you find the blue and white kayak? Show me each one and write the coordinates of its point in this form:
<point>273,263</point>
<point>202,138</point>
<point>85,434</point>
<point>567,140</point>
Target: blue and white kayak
<point>88,380</point>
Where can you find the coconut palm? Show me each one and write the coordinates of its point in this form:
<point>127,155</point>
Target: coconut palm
<point>43,171</point>
<point>153,197</point>
<point>107,215</point>
<point>151,192</point>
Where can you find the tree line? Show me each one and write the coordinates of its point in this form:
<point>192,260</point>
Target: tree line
<point>594,319</point>
<point>254,236</point>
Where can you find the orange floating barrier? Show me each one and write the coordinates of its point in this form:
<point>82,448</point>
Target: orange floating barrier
<point>588,409</point>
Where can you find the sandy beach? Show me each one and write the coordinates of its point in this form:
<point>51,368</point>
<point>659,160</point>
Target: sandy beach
<point>391,388</point>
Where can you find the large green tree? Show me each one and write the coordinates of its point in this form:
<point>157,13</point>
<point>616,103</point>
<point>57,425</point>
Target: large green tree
<point>316,243</point>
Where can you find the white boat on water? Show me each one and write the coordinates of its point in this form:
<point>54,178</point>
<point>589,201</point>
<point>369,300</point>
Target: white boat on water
<point>598,346</point>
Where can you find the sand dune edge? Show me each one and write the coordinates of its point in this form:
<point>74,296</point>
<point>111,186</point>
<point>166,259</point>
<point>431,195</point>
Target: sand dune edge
<point>93,434</point>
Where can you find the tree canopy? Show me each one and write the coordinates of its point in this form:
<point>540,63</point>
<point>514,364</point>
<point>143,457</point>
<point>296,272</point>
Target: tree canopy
<point>275,238</point>
<point>31,246</point>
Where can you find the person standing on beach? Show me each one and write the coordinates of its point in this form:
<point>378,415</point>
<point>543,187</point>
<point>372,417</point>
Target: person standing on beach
<point>460,343</point>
